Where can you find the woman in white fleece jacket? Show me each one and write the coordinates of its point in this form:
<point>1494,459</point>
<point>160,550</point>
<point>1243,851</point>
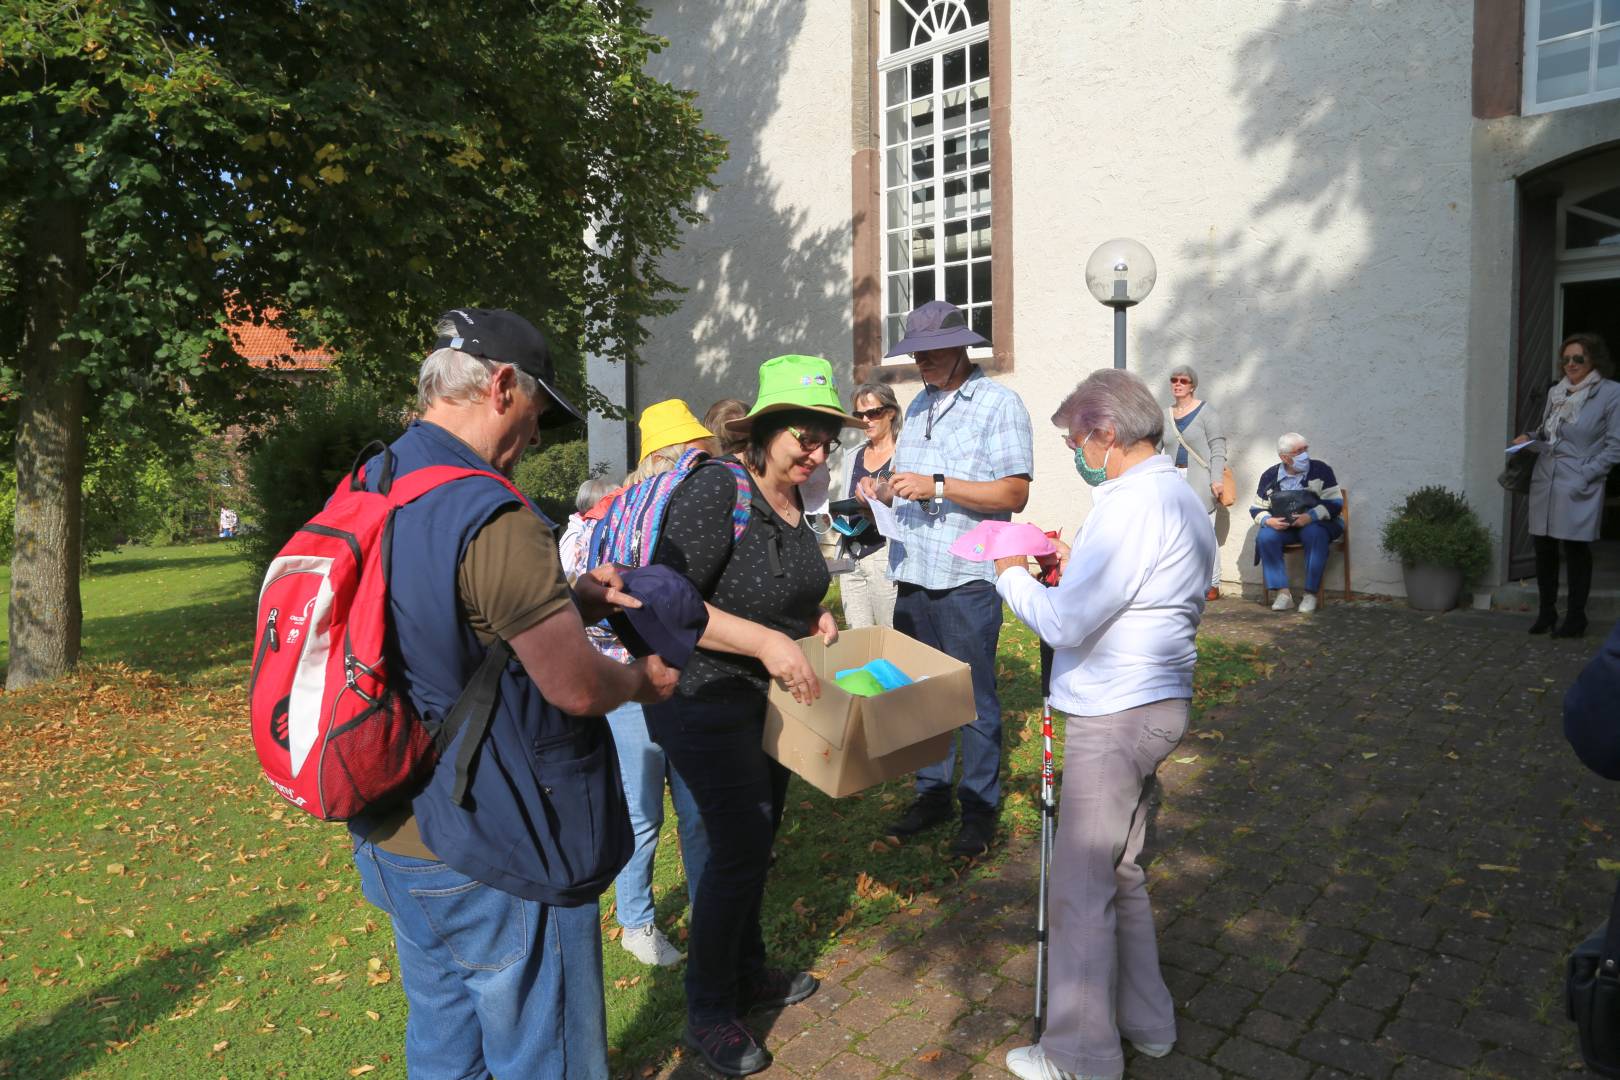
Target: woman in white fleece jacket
<point>1122,624</point>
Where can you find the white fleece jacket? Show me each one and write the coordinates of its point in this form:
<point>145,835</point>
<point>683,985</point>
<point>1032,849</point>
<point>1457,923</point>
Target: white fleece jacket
<point>1123,620</point>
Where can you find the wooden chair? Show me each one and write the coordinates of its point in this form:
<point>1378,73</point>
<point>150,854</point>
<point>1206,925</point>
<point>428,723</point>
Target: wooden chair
<point>1342,544</point>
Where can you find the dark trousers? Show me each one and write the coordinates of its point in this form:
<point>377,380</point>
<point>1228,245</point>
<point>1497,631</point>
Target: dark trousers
<point>964,622</point>
<point>715,749</point>
<point>1579,554</point>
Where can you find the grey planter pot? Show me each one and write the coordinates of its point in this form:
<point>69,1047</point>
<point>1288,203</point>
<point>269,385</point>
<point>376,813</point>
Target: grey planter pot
<point>1430,587</point>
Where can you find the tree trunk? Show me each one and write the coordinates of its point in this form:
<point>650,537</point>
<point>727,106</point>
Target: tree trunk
<point>46,615</point>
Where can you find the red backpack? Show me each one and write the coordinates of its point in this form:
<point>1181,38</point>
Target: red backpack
<point>333,735</point>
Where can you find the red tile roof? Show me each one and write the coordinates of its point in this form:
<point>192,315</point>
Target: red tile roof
<point>267,346</point>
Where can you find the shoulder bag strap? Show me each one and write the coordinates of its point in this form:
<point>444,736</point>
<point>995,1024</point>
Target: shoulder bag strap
<point>1609,967</point>
<point>472,711</point>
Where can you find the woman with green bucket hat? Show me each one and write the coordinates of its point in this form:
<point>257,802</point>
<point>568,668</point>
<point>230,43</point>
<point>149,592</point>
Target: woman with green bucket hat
<point>763,592</point>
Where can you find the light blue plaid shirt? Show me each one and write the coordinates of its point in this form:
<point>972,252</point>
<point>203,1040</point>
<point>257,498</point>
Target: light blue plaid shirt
<point>980,432</point>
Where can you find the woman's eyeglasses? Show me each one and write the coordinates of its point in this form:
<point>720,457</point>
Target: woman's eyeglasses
<point>811,443</point>
<point>872,414</point>
<point>1174,379</point>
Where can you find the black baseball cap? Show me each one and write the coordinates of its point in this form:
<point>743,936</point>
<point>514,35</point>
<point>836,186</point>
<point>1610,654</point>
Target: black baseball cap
<point>508,338</point>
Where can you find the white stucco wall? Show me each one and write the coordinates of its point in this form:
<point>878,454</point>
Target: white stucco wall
<point>770,272</point>
<point>1301,173</point>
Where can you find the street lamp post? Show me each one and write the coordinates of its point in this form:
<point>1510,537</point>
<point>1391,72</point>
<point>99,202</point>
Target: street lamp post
<point>1120,274</point>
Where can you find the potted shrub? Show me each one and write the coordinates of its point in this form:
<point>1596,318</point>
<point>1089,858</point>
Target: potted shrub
<point>1442,545</point>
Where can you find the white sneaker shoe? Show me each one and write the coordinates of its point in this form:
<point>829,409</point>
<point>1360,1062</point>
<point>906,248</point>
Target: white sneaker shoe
<point>1158,1050</point>
<point>1284,601</point>
<point>1308,604</point>
<point>1029,1062</point>
<point>648,945</point>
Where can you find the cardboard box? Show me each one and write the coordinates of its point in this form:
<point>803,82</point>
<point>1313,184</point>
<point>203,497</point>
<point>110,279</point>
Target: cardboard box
<point>844,743</point>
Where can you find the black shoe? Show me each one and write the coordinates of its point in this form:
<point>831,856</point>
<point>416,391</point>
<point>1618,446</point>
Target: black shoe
<point>1573,626</point>
<point>773,988</point>
<point>926,812</point>
<point>1544,622</point>
<point>978,830</point>
<point>728,1048</point>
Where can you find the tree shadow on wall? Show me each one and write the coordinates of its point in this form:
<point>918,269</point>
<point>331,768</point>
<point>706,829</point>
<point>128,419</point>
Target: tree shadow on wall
<point>763,277</point>
<point>1333,298</point>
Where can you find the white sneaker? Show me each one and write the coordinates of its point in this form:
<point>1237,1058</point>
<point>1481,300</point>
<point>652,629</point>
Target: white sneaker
<point>1030,1063</point>
<point>1158,1050</point>
<point>1308,604</point>
<point>648,945</point>
<point>1284,601</point>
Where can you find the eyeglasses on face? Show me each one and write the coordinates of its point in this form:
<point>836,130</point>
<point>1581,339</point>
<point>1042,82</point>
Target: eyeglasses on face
<point>1180,379</point>
<point>872,414</point>
<point>811,443</point>
<point>1575,358</point>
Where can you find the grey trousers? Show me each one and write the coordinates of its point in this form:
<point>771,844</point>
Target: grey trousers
<point>1104,979</point>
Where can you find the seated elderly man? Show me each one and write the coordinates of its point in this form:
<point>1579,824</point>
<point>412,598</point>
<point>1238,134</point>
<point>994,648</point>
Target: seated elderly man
<point>1297,502</point>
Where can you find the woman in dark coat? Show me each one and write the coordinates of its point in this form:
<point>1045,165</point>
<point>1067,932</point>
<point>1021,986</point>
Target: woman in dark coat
<point>764,590</point>
<point>1580,443</point>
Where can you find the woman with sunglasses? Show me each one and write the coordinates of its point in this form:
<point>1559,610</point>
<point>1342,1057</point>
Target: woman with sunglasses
<point>1196,441</point>
<point>764,591</point>
<point>1580,443</point>
<point>867,590</point>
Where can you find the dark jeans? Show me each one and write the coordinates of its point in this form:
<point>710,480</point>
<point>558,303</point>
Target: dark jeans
<point>964,622</point>
<point>1579,554</point>
<point>714,747</point>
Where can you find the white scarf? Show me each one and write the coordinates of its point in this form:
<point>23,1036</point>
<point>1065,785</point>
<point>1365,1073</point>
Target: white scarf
<point>1564,402</point>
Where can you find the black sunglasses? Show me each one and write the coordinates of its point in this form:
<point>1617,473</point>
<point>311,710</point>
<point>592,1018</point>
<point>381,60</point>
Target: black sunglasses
<point>872,414</point>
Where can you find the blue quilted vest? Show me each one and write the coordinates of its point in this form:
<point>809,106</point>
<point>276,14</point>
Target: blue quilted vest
<point>545,815</point>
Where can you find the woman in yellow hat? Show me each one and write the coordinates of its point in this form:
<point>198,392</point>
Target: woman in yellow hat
<point>668,431</point>
<point>764,590</point>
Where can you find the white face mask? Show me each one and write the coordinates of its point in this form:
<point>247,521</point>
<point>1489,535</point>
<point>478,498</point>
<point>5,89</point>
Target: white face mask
<point>1302,462</point>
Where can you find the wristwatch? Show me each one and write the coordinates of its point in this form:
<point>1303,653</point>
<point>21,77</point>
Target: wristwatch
<point>939,487</point>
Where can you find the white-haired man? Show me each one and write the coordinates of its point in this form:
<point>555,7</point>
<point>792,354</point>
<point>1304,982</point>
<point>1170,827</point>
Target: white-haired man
<point>493,894</point>
<point>1296,502</point>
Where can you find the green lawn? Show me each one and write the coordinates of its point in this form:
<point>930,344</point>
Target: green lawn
<point>162,915</point>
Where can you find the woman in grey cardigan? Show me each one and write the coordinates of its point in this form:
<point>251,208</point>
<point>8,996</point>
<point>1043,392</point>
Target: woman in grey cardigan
<point>1193,436</point>
<point>1580,433</point>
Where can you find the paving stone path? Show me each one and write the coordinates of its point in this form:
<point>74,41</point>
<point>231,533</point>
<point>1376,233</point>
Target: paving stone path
<point>1376,871</point>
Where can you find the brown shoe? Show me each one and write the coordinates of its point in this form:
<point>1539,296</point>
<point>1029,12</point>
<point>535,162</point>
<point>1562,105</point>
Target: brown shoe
<point>1212,593</point>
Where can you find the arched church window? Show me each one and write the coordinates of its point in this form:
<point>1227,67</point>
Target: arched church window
<point>934,85</point>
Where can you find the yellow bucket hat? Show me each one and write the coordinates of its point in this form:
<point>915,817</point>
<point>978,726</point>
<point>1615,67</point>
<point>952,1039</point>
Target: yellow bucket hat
<point>668,423</point>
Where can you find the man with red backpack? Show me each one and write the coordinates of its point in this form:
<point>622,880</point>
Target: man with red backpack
<point>491,873</point>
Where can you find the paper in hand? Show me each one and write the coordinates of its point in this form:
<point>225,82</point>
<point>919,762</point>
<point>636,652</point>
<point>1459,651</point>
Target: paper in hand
<point>883,517</point>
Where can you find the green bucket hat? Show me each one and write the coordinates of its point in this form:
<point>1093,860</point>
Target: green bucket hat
<point>794,382</point>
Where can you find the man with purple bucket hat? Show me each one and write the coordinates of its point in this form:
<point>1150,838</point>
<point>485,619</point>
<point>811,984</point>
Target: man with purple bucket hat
<point>965,455</point>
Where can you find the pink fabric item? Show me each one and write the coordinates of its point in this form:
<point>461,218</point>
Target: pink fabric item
<point>990,540</point>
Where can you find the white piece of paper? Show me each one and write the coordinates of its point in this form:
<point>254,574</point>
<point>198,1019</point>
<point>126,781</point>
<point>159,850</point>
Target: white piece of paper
<point>1533,444</point>
<point>884,518</point>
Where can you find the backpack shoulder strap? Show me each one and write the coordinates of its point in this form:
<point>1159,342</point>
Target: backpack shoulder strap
<point>743,507</point>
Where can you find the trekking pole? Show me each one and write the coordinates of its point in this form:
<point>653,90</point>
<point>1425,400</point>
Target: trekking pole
<point>1050,574</point>
<point>1048,813</point>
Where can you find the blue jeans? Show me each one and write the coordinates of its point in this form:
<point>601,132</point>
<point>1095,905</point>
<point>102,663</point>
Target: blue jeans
<point>964,622</point>
<point>1316,538</point>
<point>643,765</point>
<point>739,792</point>
<point>494,983</point>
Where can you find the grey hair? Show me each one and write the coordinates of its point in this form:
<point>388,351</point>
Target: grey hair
<point>1187,370</point>
<point>1116,400</point>
<point>592,492</point>
<point>885,395</point>
<point>452,375</point>
<point>1289,442</point>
